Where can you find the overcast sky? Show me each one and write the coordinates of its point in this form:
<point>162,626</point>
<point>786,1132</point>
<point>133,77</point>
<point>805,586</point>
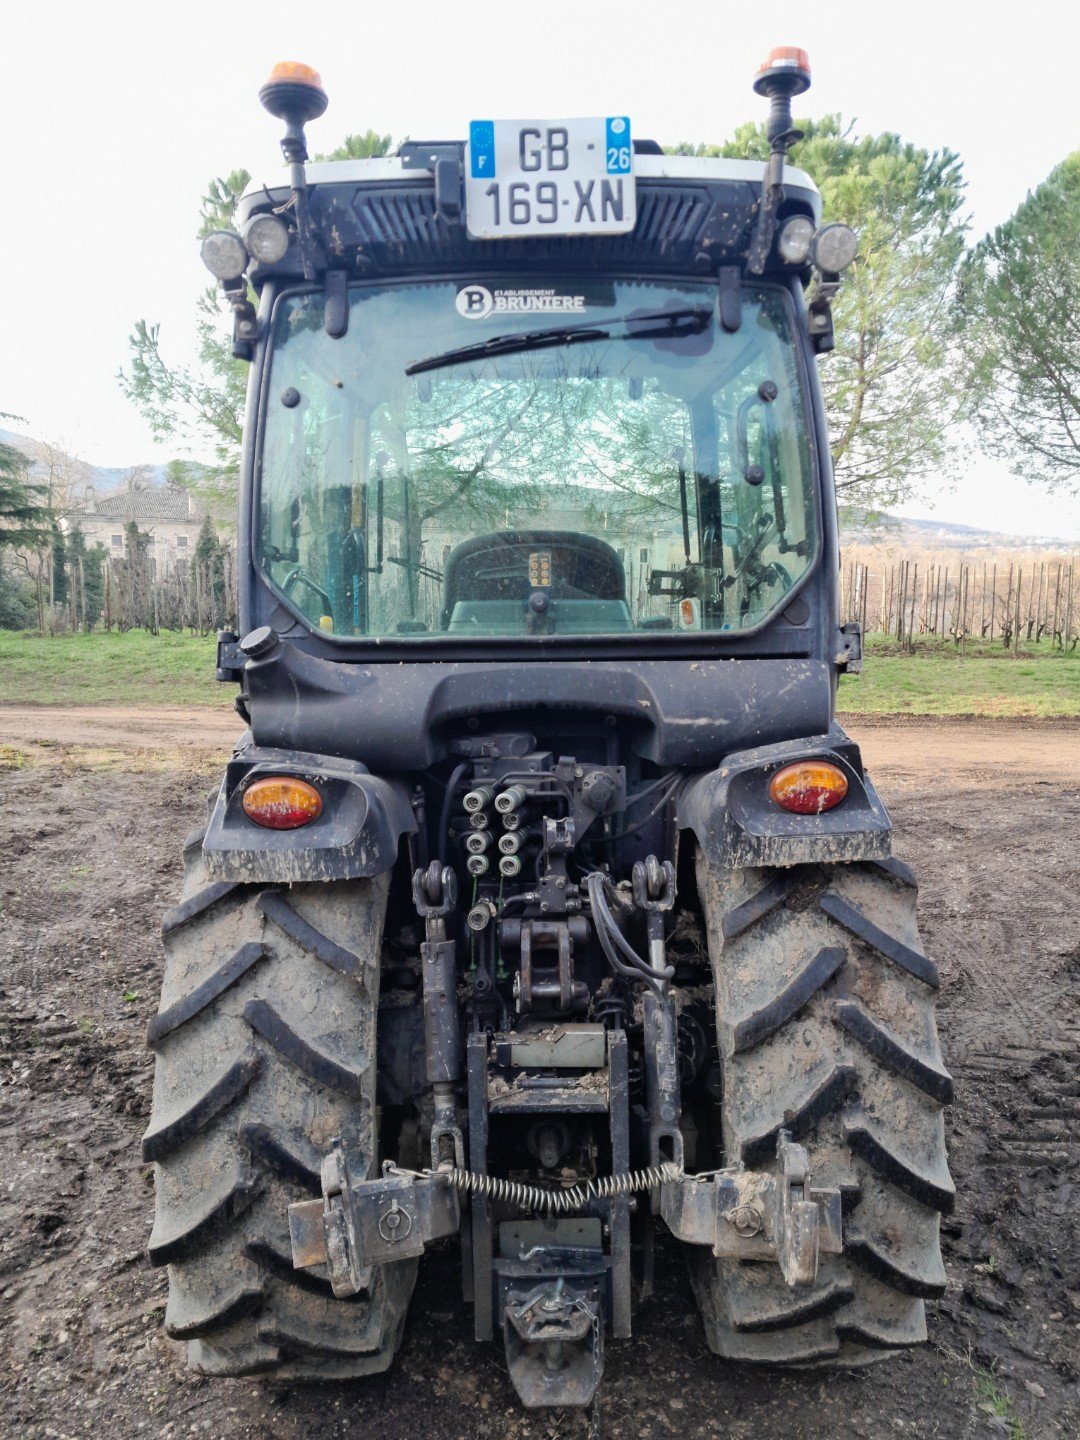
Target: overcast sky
<point>120,113</point>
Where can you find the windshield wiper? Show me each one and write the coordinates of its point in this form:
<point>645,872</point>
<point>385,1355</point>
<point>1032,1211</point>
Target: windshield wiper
<point>645,325</point>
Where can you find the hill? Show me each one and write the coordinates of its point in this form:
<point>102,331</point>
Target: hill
<point>901,533</point>
<point>73,474</point>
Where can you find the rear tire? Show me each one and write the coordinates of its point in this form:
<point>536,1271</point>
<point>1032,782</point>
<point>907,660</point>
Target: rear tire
<point>265,1046</point>
<point>825,1015</point>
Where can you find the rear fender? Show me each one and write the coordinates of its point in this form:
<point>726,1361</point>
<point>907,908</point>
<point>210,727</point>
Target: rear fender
<point>736,824</point>
<point>356,835</point>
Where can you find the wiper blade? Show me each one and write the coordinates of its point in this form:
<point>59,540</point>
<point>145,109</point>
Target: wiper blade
<point>645,325</point>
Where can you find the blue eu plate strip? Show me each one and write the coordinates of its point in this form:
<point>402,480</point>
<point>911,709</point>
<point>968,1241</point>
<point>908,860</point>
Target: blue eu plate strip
<point>482,148</point>
<point>618,147</point>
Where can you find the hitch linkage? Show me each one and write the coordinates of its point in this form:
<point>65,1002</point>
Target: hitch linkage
<point>359,1224</point>
<point>740,1214</point>
<point>749,1215</point>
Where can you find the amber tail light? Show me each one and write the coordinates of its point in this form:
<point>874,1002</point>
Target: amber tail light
<point>809,787</point>
<point>281,802</point>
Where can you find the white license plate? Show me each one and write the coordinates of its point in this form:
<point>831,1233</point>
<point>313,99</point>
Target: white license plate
<point>549,177</point>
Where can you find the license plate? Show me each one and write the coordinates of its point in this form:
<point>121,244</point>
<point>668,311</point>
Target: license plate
<point>549,177</point>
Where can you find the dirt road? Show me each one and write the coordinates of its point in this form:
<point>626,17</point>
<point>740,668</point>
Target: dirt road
<point>91,807</point>
<point>895,747</point>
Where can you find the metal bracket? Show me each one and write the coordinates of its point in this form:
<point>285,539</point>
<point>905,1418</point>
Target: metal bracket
<point>230,658</point>
<point>849,653</point>
<point>750,1215</point>
<point>359,1225</point>
<point>245,324</point>
<point>554,1338</point>
<point>819,320</point>
<point>446,162</point>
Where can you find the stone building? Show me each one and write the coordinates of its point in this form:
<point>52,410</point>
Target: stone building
<point>168,514</point>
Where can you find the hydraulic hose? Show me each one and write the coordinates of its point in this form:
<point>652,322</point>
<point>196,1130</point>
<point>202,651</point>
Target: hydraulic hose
<point>444,815</point>
<point>633,966</point>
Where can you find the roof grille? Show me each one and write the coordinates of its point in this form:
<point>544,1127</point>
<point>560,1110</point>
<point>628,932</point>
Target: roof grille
<point>394,225</point>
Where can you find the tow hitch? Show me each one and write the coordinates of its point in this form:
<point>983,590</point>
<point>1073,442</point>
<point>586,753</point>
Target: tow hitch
<point>749,1215</point>
<point>552,1298</point>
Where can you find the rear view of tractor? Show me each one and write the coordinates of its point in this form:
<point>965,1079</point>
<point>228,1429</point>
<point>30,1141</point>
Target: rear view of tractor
<point>543,903</point>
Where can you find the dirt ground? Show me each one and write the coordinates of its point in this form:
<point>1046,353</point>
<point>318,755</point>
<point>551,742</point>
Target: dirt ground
<point>92,807</point>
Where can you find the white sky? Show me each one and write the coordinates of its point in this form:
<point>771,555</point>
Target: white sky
<point>120,113</point>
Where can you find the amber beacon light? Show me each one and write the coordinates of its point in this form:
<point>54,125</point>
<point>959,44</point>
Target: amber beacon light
<point>809,787</point>
<point>282,802</point>
<point>789,61</point>
<point>294,92</point>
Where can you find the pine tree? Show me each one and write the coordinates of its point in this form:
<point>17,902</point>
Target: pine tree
<point>24,513</point>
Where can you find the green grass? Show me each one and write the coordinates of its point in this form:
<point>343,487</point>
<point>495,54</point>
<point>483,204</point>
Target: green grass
<point>996,1401</point>
<point>938,680</point>
<point>135,668</point>
<point>142,669</point>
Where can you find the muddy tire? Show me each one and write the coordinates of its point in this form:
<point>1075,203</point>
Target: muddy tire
<point>265,1050</point>
<point>825,1010</point>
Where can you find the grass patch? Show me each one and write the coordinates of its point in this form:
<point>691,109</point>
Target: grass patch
<point>67,760</point>
<point>939,680</point>
<point>995,1401</point>
<point>135,668</point>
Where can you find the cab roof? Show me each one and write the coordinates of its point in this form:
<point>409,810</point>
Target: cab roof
<point>646,167</point>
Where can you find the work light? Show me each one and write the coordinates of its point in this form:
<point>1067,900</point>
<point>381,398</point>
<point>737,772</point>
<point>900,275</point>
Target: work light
<point>224,255</point>
<point>267,238</point>
<point>795,238</point>
<point>833,248</point>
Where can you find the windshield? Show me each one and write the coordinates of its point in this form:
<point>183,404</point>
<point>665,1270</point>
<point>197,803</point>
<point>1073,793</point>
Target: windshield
<point>597,459</point>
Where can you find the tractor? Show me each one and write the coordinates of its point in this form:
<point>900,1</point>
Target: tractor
<point>543,903</point>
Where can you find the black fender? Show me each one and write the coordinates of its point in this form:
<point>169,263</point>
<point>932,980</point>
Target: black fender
<point>736,824</point>
<point>356,835</point>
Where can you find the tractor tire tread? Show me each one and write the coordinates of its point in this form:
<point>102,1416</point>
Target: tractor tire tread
<point>168,1135</point>
<point>265,1050</point>
<point>205,993</point>
<point>825,1022</point>
<point>306,1057</point>
<point>280,913</point>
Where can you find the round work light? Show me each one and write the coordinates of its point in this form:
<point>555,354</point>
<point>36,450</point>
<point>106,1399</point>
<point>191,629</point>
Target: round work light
<point>833,248</point>
<point>795,238</point>
<point>223,254</point>
<point>267,238</point>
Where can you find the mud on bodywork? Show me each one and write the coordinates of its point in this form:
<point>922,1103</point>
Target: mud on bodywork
<point>736,824</point>
<point>356,835</point>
